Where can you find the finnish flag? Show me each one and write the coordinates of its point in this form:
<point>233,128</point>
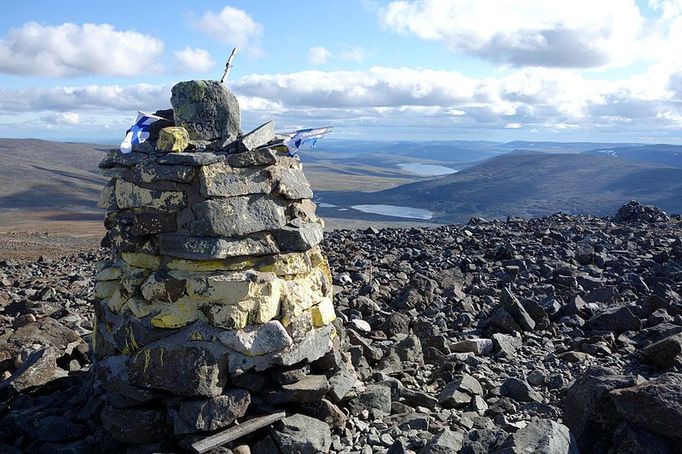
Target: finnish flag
<point>293,140</point>
<point>138,132</point>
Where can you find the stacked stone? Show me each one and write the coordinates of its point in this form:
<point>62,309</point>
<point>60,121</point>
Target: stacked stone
<point>217,297</point>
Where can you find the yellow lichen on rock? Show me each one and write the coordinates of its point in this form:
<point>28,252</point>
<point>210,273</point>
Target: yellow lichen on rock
<point>225,288</point>
<point>268,302</point>
<point>172,139</point>
<point>289,264</point>
<point>129,195</point>
<point>140,260</point>
<point>236,264</point>
<point>323,313</point>
<point>178,314</point>
<point>300,293</point>
<point>231,316</point>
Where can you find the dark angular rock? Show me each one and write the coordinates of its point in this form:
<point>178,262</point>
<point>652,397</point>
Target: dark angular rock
<point>38,369</point>
<point>208,415</point>
<point>299,238</point>
<point>654,406</point>
<point>512,305</point>
<point>376,399</point>
<point>444,442</point>
<point>589,412</point>
<point>300,434</point>
<point>665,353</point>
<point>58,428</point>
<point>617,320</point>
<point>183,368</point>
<point>519,390</point>
<point>146,223</point>
<point>134,425</point>
<point>541,436</point>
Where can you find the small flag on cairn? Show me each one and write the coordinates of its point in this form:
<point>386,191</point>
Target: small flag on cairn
<point>139,132</point>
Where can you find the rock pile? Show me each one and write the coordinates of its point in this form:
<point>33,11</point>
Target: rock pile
<point>545,335</point>
<point>216,302</point>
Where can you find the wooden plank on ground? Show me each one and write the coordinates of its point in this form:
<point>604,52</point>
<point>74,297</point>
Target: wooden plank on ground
<point>236,431</point>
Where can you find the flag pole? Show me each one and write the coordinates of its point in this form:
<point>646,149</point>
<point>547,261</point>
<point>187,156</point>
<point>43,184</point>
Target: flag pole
<point>228,65</point>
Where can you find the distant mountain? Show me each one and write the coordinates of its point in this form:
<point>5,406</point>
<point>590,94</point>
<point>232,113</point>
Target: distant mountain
<point>40,175</point>
<point>561,147</point>
<point>669,155</point>
<point>534,184</point>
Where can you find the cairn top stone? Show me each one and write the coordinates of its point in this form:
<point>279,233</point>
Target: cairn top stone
<point>207,109</point>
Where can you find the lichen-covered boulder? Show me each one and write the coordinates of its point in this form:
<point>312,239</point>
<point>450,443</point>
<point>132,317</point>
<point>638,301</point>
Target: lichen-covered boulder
<point>207,109</point>
<point>173,139</point>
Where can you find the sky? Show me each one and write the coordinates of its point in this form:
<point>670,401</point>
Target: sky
<point>578,70</point>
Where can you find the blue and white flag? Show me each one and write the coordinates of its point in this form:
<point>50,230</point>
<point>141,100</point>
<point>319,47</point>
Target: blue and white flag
<point>139,132</point>
<point>294,140</point>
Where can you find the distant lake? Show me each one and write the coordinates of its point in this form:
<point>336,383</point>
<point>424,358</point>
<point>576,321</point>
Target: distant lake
<point>396,211</point>
<point>427,170</point>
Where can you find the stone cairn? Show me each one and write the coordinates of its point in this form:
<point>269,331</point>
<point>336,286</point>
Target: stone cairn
<point>216,303</point>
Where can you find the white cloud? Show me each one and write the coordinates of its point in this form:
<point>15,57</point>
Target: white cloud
<point>75,50</point>
<point>318,55</point>
<point>355,53</point>
<point>86,98</point>
<point>193,60</point>
<point>62,118</point>
<point>552,33</point>
<point>234,27</point>
<point>533,100</point>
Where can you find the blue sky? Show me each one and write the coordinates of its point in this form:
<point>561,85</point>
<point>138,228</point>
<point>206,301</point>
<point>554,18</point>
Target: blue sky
<point>412,69</point>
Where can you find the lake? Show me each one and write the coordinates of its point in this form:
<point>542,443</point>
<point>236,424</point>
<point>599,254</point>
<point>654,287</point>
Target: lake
<point>426,170</point>
<point>395,211</point>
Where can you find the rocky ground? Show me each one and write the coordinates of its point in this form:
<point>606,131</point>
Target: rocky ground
<point>553,335</point>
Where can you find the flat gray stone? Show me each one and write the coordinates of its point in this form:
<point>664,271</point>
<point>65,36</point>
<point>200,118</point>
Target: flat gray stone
<point>39,368</point>
<point>153,171</point>
<point>257,340</point>
<point>221,180</point>
<point>299,239</point>
<point>475,346</point>
<point>310,388</point>
<point>254,158</point>
<point>292,184</point>
<point>115,158</point>
<point>203,158</point>
<point>237,216</point>
<point>259,136</point>
<point>300,434</point>
<point>444,442</point>
<point>208,248</point>
<point>542,436</point>
<point>206,108</point>
<point>314,346</point>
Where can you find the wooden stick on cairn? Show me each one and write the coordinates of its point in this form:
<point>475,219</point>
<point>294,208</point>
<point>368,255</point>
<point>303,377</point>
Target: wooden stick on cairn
<point>228,66</point>
<point>237,431</point>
